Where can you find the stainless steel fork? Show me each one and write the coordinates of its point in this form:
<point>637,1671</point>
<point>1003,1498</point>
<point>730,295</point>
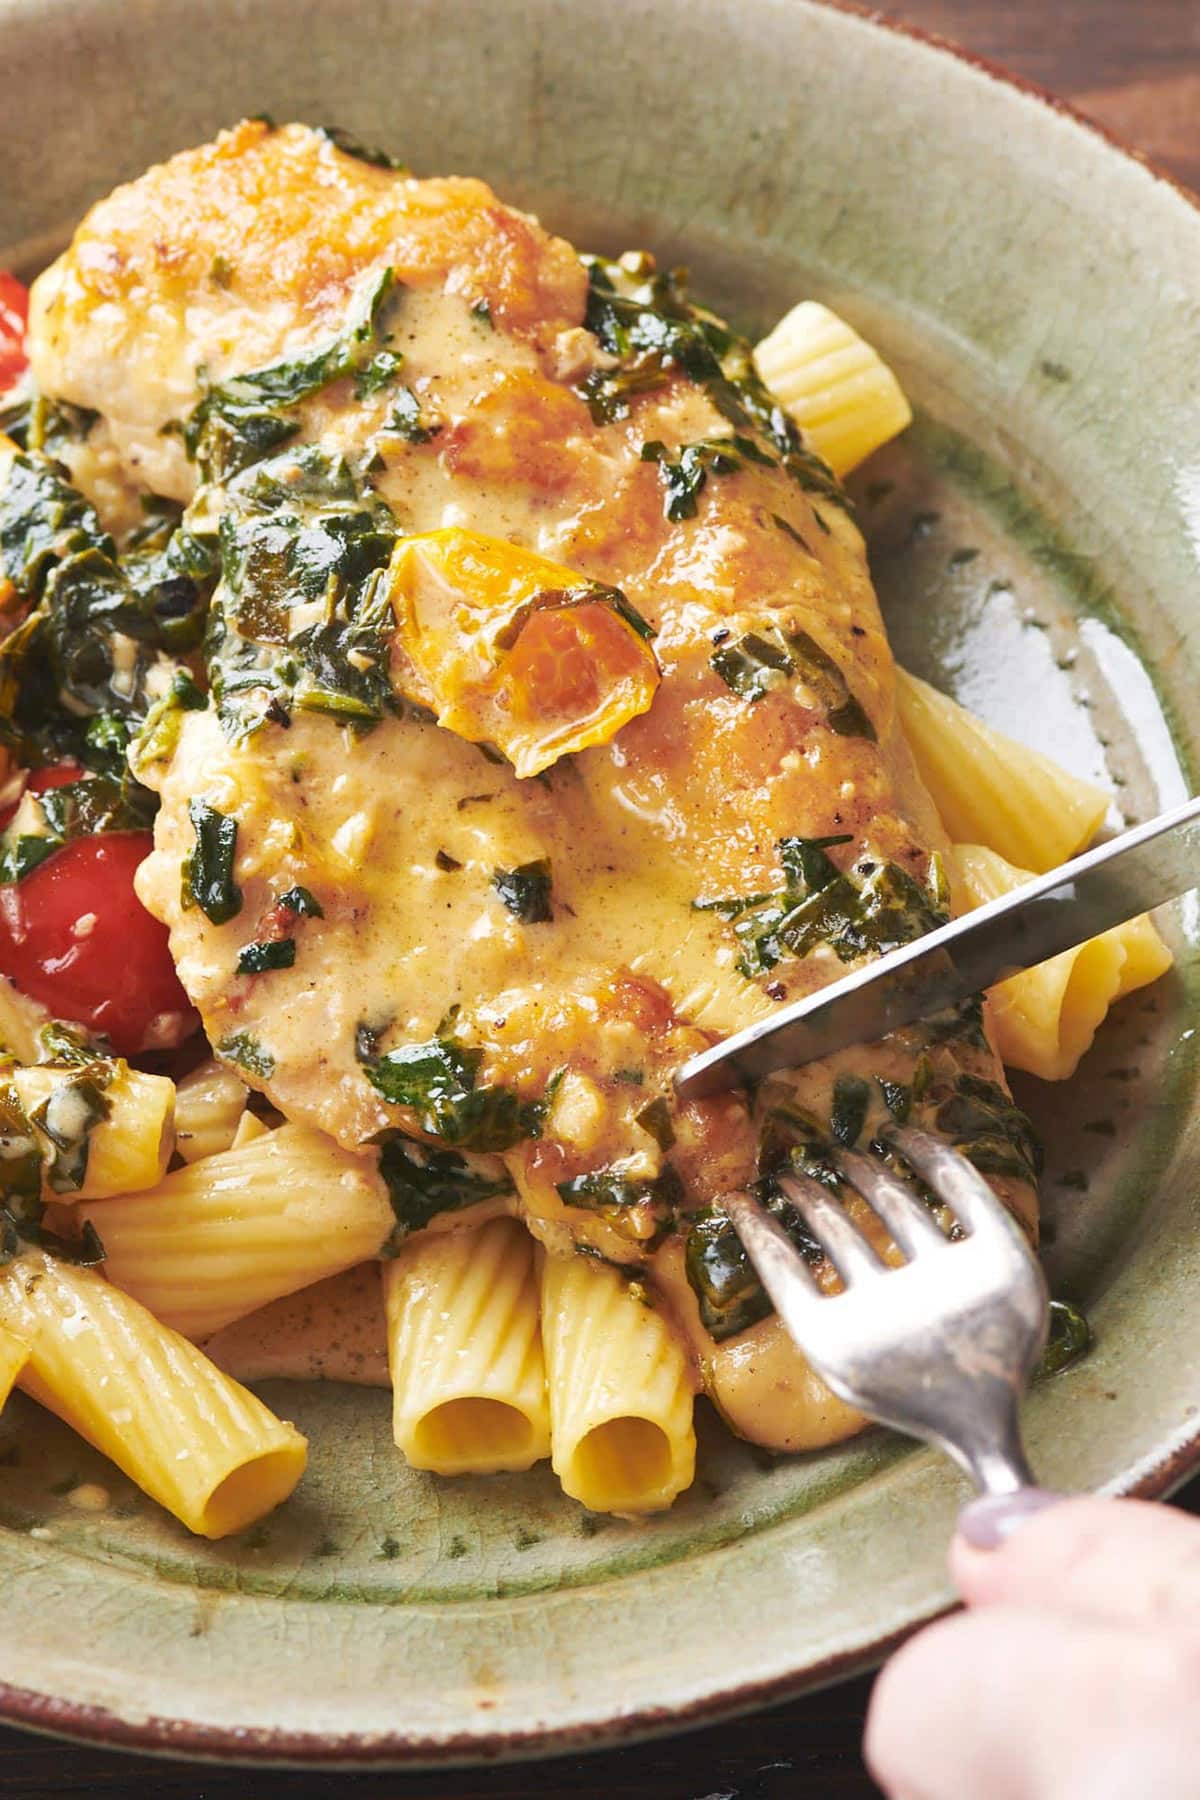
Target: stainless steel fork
<point>942,1346</point>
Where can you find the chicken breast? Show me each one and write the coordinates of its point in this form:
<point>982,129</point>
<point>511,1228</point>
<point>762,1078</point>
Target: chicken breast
<point>552,728</point>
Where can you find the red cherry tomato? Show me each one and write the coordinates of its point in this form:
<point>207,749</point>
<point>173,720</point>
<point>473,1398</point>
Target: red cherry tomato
<point>74,935</point>
<point>14,312</point>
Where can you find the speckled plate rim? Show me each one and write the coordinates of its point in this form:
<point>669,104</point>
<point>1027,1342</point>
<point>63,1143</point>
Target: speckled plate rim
<point>1156,1475</point>
<point>176,1738</point>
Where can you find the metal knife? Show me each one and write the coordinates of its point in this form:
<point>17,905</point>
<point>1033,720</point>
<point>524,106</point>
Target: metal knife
<point>1104,887</point>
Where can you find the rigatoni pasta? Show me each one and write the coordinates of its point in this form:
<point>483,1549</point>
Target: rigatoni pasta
<point>204,1447</point>
<point>210,1102</point>
<point>452,779</point>
<point>621,1390</point>
<point>231,1232</point>
<point>465,1351</point>
<point>1046,1018</point>
<point>991,790</point>
<point>21,1019</point>
<point>124,1151</point>
<point>840,392</point>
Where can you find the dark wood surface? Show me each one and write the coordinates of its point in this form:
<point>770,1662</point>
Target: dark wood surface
<point>1134,66</point>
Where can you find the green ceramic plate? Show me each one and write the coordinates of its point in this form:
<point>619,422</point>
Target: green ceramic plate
<point>1036,541</point>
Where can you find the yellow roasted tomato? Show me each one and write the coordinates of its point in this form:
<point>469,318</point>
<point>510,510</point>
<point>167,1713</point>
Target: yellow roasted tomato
<point>508,648</point>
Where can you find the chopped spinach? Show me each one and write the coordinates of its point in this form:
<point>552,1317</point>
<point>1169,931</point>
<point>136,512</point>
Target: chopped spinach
<point>76,675</point>
<point>655,1118</point>
<point>645,319</point>
<point>897,1097</point>
<point>405,419</point>
<point>436,1080</point>
<point>240,421</point>
<point>349,145</point>
<point>302,616</point>
<point>423,1182</point>
<point>260,958</point>
<point>382,370</point>
<point>616,1196</point>
<point>20,1166</point>
<point>35,422</point>
<point>302,902</point>
<point>758,662</point>
<point>586,593</point>
<point>526,891</point>
<point>792,1143</point>
<point>851,1101</point>
<point>67,1117</point>
<point>79,809</point>
<point>247,1053</point>
<point>43,521</point>
<point>171,569</point>
<point>607,393</point>
<point>981,1120</point>
<point>721,1276</point>
<point>65,1120</point>
<point>684,479</point>
<point>770,658</point>
<point>70,1046</point>
<point>208,872</point>
<point>874,908</point>
<point>159,733</point>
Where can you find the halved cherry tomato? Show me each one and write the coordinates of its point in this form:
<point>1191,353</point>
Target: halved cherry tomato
<point>14,312</point>
<point>75,936</point>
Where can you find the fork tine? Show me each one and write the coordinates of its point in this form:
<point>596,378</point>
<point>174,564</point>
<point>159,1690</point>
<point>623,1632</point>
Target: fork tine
<point>906,1216</point>
<point>956,1181</point>
<point>843,1243</point>
<point>777,1263</point>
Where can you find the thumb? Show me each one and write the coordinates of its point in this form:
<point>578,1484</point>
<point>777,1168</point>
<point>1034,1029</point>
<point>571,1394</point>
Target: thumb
<point>1100,1559</point>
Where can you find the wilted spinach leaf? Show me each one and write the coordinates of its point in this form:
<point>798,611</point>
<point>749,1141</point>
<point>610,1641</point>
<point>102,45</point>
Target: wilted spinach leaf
<point>423,1182</point>
<point>208,872</point>
<point>437,1081</point>
<point>300,537</point>
<point>526,891</point>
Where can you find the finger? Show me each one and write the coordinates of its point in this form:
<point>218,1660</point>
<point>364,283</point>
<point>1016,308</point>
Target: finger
<point>1008,1705</point>
<point>1104,1559</point>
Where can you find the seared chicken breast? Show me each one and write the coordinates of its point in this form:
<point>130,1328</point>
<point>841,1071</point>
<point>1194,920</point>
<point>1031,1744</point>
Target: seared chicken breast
<point>545,725</point>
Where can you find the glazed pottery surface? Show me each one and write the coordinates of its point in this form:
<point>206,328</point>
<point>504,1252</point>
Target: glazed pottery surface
<point>1036,540</point>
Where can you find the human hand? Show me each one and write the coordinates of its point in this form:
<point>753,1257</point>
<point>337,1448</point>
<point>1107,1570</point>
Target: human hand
<point>1074,1674</point>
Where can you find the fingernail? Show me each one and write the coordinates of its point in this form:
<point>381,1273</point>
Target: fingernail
<point>986,1524</point>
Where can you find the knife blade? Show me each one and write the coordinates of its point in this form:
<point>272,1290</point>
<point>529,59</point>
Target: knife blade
<point>1140,869</point>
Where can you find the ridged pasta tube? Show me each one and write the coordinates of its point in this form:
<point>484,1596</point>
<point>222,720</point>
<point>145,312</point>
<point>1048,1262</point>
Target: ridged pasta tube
<point>250,1127</point>
<point>222,1237</point>
<point>14,1354</point>
<point>991,790</point>
<point>841,393</point>
<point>465,1351</point>
<point>195,1441</point>
<point>621,1392</point>
<point>1045,1019</point>
<point>126,1151</point>
<point>21,1019</point>
<point>209,1104</point>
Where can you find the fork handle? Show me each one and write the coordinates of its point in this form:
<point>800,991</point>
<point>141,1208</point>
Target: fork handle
<point>991,1453</point>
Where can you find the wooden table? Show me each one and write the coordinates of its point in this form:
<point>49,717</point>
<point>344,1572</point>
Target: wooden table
<point>1134,66</point>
